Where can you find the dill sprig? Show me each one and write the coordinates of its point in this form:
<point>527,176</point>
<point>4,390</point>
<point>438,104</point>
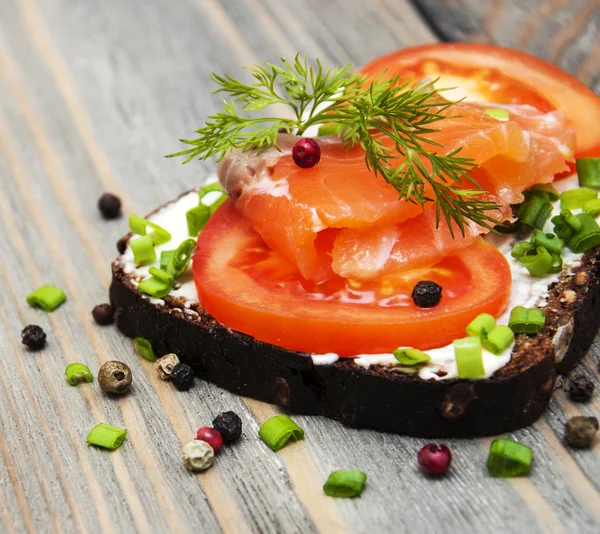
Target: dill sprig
<point>359,111</point>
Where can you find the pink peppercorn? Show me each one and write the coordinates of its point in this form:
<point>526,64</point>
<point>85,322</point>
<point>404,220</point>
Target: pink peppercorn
<point>435,459</point>
<point>210,436</point>
<point>306,153</point>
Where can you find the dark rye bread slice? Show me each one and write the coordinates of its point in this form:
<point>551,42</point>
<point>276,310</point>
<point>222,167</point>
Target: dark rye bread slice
<point>381,398</point>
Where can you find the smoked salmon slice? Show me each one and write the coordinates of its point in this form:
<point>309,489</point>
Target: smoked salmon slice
<point>339,218</point>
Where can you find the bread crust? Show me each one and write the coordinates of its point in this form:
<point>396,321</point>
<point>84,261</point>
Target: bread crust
<point>380,398</point>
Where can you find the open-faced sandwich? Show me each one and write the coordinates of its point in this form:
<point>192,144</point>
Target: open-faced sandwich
<point>384,252</point>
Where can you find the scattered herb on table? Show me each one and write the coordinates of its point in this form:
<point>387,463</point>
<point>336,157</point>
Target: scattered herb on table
<point>78,372</point>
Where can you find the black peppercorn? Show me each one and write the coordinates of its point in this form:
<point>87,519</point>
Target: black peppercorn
<point>182,377</point>
<point>33,337</point>
<point>580,431</point>
<point>229,426</point>
<point>427,294</point>
<point>581,388</point>
<point>114,377</point>
<point>109,206</point>
<point>103,314</point>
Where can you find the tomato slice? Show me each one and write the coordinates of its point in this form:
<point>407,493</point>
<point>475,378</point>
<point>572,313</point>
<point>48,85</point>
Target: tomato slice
<point>253,289</point>
<point>482,72</point>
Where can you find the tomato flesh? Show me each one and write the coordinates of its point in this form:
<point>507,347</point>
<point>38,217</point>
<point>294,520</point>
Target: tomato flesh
<point>253,289</point>
<point>495,74</point>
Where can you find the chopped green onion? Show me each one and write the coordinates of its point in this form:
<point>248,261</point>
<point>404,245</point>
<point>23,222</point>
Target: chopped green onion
<point>78,372</point>
<point>215,187</point>
<point>47,297</point>
<point>159,285</point>
<point>481,325</point>
<point>526,320</point>
<point>499,339</point>
<point>592,207</point>
<point>521,248</point>
<point>587,237</point>
<point>410,357</point>
<point>106,436</point>
<point>588,172</point>
<point>557,264</point>
<point>165,256</point>
<point>139,226</point>
<point>571,219</point>
<point>210,188</point>
<point>144,349</point>
<point>538,261</point>
<point>576,198</point>
<point>546,191</point>
<point>327,129</point>
<point>469,360</point>
<point>345,483</point>
<point>196,219</point>
<point>535,211</point>
<point>143,250</point>
<point>180,259</point>
<point>497,113</point>
<point>509,458</point>
<point>278,430</point>
<point>550,242</point>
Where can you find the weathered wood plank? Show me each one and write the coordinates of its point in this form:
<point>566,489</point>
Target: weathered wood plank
<point>564,32</point>
<point>93,94</point>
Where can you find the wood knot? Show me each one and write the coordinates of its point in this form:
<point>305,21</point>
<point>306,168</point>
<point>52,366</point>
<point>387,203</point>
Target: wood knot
<point>457,400</point>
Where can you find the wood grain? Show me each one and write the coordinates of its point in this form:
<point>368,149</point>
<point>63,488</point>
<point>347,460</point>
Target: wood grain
<point>565,32</point>
<point>92,94</point>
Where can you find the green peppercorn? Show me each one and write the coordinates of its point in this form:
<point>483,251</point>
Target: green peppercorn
<point>580,431</point>
<point>114,377</point>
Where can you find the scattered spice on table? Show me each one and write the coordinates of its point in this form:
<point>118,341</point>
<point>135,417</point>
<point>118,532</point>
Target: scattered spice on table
<point>435,459</point>
<point>103,314</point>
<point>182,376</point>
<point>198,455</point>
<point>114,377</point>
<point>33,337</point>
<point>229,425</point>
<point>212,436</point>
<point>165,365</point>
<point>109,206</point>
<point>580,388</point>
<point>580,431</point>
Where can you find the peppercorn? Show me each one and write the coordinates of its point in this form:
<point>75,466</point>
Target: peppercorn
<point>229,426</point>
<point>427,294</point>
<point>33,337</point>
<point>109,206</point>
<point>581,388</point>
<point>580,431</point>
<point>103,314</point>
<point>306,153</point>
<point>211,436</point>
<point>114,377</point>
<point>198,455</point>
<point>182,376</point>
<point>165,365</point>
<point>435,459</point>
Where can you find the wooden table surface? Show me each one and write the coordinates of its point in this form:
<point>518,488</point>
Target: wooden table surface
<point>92,95</point>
